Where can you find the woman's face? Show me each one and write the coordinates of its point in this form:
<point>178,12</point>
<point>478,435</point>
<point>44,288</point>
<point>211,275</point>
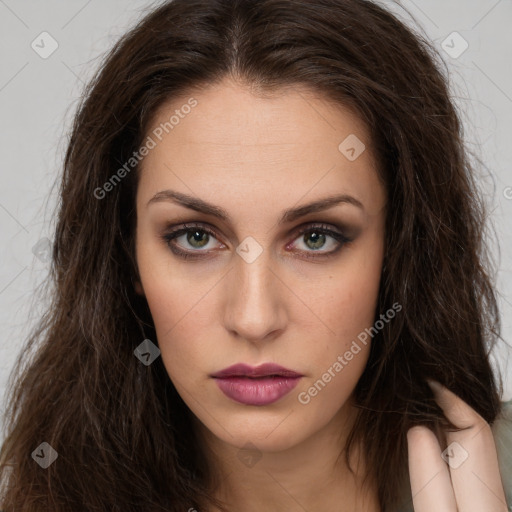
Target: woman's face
<point>254,289</point>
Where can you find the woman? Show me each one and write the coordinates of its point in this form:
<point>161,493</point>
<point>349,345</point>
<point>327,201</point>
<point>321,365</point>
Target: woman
<point>271,289</point>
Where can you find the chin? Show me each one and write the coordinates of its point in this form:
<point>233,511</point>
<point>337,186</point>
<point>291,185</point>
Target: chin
<point>268,430</point>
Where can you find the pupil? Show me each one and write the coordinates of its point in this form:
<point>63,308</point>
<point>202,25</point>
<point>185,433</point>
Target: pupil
<point>319,239</point>
<point>197,236</point>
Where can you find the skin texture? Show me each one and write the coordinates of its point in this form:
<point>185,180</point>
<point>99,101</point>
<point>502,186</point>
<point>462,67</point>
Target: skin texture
<point>255,157</point>
<point>471,480</point>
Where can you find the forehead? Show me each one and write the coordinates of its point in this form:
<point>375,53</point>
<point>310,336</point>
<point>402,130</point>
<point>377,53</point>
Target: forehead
<point>231,113</point>
<point>291,140</point>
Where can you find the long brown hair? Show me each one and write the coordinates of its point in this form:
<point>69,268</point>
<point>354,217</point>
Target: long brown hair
<point>123,435</point>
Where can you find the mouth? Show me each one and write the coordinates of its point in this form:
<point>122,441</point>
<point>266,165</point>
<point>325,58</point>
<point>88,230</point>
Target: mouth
<point>263,370</point>
<point>261,385</point>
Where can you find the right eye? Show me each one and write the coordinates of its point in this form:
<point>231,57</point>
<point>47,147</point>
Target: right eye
<point>196,237</point>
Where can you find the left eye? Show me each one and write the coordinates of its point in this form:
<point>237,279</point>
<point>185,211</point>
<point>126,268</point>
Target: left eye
<point>315,238</point>
<point>198,237</point>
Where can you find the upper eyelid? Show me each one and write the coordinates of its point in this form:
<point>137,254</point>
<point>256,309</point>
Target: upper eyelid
<point>298,230</point>
<point>208,227</point>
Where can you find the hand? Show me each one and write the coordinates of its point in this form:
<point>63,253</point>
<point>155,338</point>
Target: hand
<point>471,480</point>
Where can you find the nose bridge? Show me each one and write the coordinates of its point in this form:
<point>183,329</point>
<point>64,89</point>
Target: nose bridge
<point>253,305</point>
<point>255,277</point>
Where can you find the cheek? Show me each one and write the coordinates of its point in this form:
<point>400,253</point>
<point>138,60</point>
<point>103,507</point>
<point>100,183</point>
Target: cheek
<point>177,319</point>
<point>338,360</point>
<point>173,301</point>
<point>330,389</point>
<point>172,293</point>
<point>348,307</point>
<point>349,297</point>
<point>179,329</point>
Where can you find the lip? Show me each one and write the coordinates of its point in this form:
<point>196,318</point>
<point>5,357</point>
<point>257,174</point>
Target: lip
<point>260,385</point>
<point>263,370</point>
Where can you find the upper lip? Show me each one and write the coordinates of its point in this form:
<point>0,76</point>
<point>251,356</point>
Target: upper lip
<point>263,370</point>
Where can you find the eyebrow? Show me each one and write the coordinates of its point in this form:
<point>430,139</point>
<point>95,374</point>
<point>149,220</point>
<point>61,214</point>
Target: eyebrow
<point>289,215</point>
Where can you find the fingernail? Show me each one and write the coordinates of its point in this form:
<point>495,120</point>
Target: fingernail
<point>434,385</point>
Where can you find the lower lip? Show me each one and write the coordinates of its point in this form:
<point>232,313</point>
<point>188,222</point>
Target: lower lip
<point>263,391</point>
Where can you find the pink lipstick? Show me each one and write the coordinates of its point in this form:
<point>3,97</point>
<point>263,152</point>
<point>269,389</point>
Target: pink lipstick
<point>260,385</point>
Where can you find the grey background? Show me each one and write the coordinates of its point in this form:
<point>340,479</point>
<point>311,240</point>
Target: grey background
<point>38,97</point>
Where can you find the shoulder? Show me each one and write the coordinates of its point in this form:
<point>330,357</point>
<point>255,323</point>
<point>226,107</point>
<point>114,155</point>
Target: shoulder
<point>502,431</point>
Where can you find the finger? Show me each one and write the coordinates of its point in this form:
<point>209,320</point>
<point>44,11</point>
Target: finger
<point>431,487</point>
<point>471,456</point>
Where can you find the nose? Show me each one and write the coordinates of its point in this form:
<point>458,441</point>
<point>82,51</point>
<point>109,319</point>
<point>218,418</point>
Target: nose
<point>254,305</point>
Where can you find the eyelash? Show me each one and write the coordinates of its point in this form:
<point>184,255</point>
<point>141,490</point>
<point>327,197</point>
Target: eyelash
<point>186,228</point>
